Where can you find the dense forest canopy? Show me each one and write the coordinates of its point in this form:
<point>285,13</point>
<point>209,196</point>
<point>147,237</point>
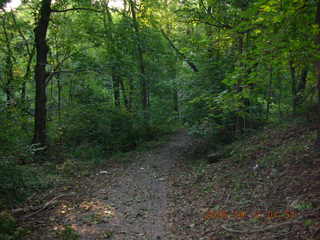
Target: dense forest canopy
<point>111,74</point>
<point>210,63</point>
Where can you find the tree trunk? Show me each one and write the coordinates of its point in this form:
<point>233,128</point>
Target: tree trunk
<point>317,69</point>
<point>9,64</point>
<point>124,94</point>
<point>239,119</point>
<point>269,90</point>
<point>298,100</point>
<point>130,93</point>
<point>144,89</point>
<point>71,91</point>
<point>293,86</point>
<point>280,96</point>
<point>116,88</point>
<point>108,27</point>
<point>40,128</point>
<point>59,96</point>
<point>175,100</point>
<point>9,77</point>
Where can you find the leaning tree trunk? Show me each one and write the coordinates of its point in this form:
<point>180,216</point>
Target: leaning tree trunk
<point>40,128</point>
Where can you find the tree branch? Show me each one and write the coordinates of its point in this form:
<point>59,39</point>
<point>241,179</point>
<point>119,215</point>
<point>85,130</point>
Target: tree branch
<point>59,64</point>
<point>74,9</point>
<point>188,61</point>
<point>70,71</point>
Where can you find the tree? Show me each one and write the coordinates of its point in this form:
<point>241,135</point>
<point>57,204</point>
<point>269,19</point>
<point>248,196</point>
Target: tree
<point>144,89</point>
<point>41,75</point>
<point>317,68</point>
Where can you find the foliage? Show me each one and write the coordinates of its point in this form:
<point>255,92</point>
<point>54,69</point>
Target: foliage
<point>19,181</point>
<point>248,75</point>
<point>9,229</point>
<point>12,184</point>
<point>13,131</point>
<point>98,124</point>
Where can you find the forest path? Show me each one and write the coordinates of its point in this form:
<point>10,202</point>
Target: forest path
<point>170,192</point>
<point>139,195</point>
<point>120,202</point>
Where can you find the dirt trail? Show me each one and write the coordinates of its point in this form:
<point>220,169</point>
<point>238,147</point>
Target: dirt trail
<point>125,202</point>
<point>139,195</point>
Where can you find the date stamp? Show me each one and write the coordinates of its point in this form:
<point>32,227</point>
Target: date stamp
<point>223,214</point>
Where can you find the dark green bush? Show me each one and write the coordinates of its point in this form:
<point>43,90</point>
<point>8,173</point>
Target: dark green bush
<point>11,178</point>
<point>18,181</point>
<point>14,131</point>
<point>9,229</point>
<point>98,124</point>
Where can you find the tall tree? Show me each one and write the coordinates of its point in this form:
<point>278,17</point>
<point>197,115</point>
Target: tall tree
<point>143,78</point>
<point>40,77</point>
<point>8,60</point>
<point>317,68</point>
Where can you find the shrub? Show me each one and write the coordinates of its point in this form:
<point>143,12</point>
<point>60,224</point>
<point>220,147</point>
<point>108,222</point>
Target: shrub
<point>19,181</point>
<point>14,131</point>
<point>9,229</point>
<point>12,180</point>
<point>99,124</point>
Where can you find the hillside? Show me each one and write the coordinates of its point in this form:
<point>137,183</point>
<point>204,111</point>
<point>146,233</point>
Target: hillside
<point>268,188</point>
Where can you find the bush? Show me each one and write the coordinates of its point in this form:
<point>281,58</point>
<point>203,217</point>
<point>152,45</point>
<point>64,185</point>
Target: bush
<point>223,117</point>
<point>99,124</point>
<point>19,181</point>
<point>8,227</point>
<point>14,131</point>
<point>12,180</point>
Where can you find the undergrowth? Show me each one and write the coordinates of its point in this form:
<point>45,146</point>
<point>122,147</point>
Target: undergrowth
<point>272,172</point>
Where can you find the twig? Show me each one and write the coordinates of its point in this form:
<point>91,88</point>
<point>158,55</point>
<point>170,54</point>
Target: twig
<point>52,201</point>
